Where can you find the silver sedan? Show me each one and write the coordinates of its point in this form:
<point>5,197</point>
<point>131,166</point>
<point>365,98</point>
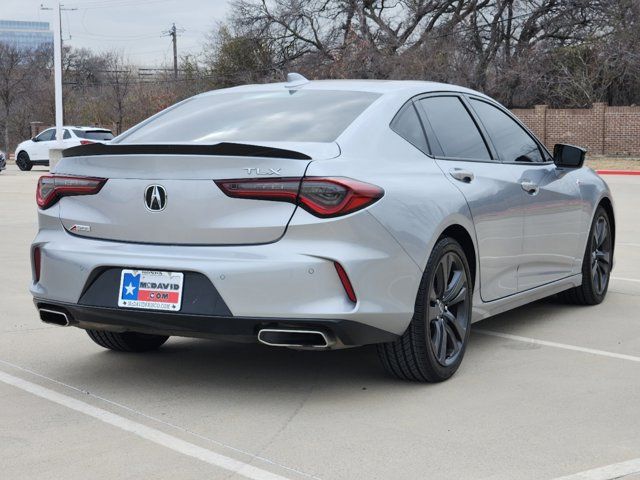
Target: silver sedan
<point>319,215</point>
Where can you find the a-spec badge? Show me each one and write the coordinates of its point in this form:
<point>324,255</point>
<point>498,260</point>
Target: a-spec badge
<point>80,228</point>
<point>263,171</point>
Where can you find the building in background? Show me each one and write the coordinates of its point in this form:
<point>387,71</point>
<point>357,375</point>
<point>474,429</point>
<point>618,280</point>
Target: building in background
<point>26,35</point>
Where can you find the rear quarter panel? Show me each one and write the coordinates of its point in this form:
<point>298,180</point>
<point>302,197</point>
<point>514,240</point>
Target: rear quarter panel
<point>419,202</point>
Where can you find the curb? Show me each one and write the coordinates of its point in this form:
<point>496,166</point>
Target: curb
<point>618,172</point>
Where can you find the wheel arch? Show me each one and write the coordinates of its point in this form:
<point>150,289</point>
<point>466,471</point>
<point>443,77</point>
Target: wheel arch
<point>464,238</point>
<point>607,204</point>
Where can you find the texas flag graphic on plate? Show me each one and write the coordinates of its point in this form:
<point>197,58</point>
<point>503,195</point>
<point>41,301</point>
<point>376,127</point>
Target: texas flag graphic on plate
<point>151,290</point>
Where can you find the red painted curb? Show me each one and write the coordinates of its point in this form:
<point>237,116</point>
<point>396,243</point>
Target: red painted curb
<point>618,172</point>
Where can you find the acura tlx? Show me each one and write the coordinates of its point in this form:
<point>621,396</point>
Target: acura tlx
<point>319,215</point>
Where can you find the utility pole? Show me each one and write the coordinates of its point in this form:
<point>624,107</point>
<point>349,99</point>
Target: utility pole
<point>174,39</point>
<point>173,33</point>
<point>57,65</point>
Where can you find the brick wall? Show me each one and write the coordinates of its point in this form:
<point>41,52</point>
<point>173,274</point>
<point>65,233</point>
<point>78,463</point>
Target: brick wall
<point>602,129</point>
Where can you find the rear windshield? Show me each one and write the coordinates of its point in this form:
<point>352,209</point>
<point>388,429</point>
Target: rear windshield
<point>267,116</point>
<point>94,134</point>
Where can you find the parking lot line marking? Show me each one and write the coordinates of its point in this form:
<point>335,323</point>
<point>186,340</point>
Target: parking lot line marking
<point>602,353</point>
<point>609,472</point>
<point>148,433</point>
<point>159,420</point>
<point>626,279</point>
<point>133,411</point>
<point>626,244</point>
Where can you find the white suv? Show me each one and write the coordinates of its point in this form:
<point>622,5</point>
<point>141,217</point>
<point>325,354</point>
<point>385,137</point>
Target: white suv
<point>36,150</point>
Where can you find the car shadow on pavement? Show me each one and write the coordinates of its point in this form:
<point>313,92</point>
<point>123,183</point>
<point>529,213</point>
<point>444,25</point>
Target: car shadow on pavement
<point>211,367</point>
<point>545,311</point>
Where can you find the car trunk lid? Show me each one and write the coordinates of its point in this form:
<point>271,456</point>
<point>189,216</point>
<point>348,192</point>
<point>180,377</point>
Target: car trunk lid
<point>171,197</point>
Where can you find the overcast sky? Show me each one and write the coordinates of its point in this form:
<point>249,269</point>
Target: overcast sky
<point>133,26</point>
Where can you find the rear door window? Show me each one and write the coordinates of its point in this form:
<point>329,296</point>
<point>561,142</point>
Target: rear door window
<point>454,129</point>
<point>511,141</point>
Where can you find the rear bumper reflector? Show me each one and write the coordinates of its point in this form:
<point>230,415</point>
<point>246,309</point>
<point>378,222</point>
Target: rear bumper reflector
<point>346,283</point>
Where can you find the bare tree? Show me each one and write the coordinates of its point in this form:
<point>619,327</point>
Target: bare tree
<point>118,81</point>
<point>231,59</point>
<point>497,46</point>
<point>14,73</point>
<point>373,33</point>
<point>506,35</point>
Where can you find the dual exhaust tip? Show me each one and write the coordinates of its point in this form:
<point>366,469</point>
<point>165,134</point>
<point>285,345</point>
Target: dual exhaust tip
<point>273,337</point>
<point>276,337</point>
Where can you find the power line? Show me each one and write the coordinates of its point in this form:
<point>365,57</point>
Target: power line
<point>115,39</point>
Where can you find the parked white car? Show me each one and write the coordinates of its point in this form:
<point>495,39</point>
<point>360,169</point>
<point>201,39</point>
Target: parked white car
<point>3,161</point>
<point>36,150</point>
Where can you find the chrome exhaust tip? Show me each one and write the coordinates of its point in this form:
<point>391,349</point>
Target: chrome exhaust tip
<point>275,337</point>
<point>54,317</point>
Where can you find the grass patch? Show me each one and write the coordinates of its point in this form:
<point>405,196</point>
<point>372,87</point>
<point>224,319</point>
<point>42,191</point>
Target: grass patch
<point>601,162</point>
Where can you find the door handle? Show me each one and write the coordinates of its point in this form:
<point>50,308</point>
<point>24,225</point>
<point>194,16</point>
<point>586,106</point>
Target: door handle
<point>530,187</point>
<point>462,175</point>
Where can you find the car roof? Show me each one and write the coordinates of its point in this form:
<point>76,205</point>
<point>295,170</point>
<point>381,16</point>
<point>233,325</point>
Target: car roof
<point>409,87</point>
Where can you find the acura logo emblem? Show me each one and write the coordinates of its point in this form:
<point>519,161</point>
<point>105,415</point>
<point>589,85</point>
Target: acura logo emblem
<point>155,198</point>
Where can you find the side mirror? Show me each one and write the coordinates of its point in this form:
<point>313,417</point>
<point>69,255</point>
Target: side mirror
<point>568,156</point>
<point>35,139</point>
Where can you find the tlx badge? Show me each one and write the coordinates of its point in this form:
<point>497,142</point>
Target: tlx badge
<point>263,171</point>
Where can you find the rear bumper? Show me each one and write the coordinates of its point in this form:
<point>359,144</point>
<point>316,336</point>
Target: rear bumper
<point>292,280</point>
<point>346,332</point>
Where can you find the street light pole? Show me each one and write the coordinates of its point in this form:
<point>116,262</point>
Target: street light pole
<point>57,68</point>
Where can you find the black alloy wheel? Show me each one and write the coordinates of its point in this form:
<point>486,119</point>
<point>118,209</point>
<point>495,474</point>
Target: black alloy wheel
<point>433,345</point>
<point>596,264</point>
<point>448,312</point>
<point>23,162</point>
<point>600,255</point>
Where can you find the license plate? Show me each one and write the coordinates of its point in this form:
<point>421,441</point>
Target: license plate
<point>151,290</point>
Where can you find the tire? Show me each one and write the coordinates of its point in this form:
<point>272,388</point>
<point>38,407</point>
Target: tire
<point>127,341</point>
<point>24,162</point>
<point>596,264</point>
<point>432,347</point>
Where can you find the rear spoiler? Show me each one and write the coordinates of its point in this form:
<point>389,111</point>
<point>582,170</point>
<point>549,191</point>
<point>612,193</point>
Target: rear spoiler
<point>224,148</point>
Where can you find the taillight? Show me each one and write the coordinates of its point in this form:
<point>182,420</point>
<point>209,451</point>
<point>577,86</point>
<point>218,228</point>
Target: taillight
<point>36,263</point>
<point>52,188</point>
<point>321,196</point>
<point>86,142</point>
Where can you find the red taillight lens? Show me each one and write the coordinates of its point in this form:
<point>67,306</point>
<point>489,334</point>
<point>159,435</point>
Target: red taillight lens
<point>52,188</point>
<point>281,189</point>
<point>36,263</point>
<point>321,196</point>
<point>346,283</point>
<point>86,142</point>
